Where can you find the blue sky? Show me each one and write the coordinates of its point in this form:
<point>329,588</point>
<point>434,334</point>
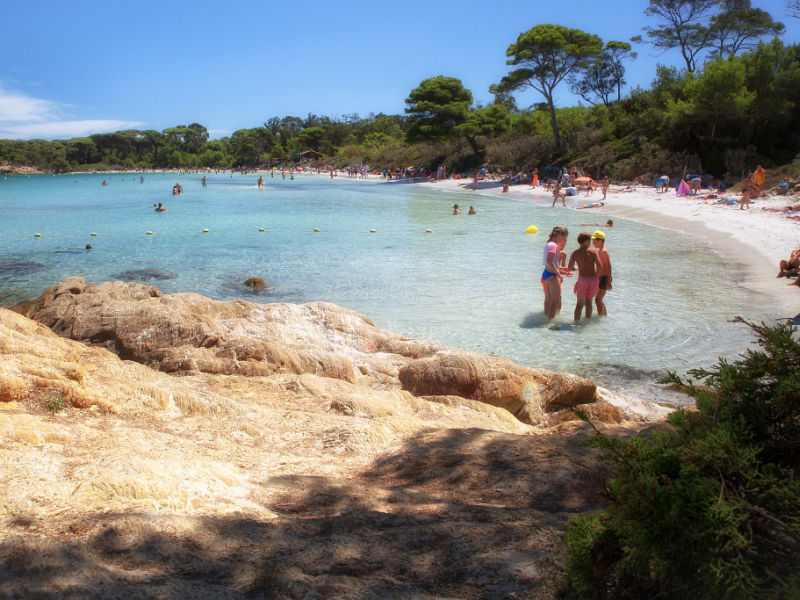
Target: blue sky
<point>74,68</point>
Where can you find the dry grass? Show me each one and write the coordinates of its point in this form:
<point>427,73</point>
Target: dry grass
<point>12,389</point>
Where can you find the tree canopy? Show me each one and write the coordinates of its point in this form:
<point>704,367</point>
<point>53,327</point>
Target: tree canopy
<point>545,56</point>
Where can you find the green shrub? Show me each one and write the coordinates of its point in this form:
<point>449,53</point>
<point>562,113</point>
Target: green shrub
<point>54,403</point>
<point>713,509</point>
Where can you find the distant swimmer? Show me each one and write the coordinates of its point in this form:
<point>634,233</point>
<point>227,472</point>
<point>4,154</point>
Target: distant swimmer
<point>141,179</point>
<point>472,210</point>
<point>105,182</point>
<point>177,190</point>
<point>456,209</point>
<point>204,180</point>
<point>260,181</point>
<point>160,208</point>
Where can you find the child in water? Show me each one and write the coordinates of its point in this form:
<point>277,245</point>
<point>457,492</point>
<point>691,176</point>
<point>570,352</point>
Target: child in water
<point>551,276</point>
<point>588,283</point>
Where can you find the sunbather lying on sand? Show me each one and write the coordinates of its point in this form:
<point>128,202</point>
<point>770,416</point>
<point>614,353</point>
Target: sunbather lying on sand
<point>591,205</point>
<point>793,208</point>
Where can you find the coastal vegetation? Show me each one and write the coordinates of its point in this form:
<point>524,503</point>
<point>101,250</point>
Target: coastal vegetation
<point>710,509</point>
<point>731,102</point>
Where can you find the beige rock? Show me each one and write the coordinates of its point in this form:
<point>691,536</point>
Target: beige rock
<point>524,392</point>
<point>190,334</point>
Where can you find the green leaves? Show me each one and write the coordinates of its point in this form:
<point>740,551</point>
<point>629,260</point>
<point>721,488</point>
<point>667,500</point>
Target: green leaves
<point>545,56</point>
<point>711,510</point>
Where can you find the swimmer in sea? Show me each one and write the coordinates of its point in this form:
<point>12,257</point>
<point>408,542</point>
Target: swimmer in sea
<point>456,209</point>
<point>160,208</point>
<point>472,210</point>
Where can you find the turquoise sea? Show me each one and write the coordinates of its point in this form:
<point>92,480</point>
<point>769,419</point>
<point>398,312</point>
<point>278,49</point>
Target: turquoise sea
<point>473,283</point>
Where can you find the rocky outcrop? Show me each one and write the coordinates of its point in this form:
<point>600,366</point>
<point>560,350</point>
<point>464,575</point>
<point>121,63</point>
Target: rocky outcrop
<point>524,392</point>
<point>189,334</point>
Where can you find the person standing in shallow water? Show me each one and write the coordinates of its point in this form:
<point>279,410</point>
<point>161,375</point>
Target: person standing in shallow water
<point>603,273</point>
<point>551,276</point>
<point>587,285</point>
<point>204,181</point>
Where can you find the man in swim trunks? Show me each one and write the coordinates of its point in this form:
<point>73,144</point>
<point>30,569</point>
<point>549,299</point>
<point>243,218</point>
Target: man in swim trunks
<point>588,283</point>
<point>603,273</point>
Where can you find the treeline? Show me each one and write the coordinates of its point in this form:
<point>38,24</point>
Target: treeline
<point>733,102</point>
<point>189,145</point>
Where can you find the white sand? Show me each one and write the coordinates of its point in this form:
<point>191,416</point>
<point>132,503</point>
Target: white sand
<point>752,241</point>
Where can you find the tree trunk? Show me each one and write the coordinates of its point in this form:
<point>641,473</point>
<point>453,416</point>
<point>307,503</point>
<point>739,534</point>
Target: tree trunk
<point>473,144</point>
<point>553,123</point>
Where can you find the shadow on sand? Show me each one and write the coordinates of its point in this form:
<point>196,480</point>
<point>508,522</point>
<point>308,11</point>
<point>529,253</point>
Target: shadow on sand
<point>454,514</point>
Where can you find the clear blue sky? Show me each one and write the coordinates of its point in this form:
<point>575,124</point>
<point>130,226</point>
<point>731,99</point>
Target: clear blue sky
<point>75,68</point>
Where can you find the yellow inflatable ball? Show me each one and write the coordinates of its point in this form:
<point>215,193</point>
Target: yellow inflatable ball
<point>532,229</point>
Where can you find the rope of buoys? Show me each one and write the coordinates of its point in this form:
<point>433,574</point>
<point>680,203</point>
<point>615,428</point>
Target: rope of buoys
<point>532,229</point>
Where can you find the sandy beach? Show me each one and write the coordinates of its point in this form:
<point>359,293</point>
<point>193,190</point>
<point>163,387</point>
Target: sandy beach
<point>752,241</point>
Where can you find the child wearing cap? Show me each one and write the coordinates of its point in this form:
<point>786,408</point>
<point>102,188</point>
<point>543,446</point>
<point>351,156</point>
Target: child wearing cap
<point>603,273</point>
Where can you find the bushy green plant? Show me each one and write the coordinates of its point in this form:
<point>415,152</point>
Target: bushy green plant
<point>54,403</point>
<point>713,509</point>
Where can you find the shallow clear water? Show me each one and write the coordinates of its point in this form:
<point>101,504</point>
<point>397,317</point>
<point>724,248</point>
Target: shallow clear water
<point>473,283</point>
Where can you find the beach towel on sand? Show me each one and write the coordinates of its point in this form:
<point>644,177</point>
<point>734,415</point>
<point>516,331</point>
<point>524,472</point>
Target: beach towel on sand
<point>683,189</point>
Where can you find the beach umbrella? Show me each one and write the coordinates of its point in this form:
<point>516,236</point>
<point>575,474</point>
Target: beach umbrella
<point>584,179</point>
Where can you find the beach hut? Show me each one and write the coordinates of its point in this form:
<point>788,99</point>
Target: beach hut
<point>309,155</point>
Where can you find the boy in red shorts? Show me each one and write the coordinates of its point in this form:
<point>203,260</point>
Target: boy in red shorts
<point>588,283</point>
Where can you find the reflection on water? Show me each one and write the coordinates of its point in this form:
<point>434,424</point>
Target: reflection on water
<point>473,283</point>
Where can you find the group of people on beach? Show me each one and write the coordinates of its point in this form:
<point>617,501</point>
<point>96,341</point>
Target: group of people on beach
<point>594,272</point>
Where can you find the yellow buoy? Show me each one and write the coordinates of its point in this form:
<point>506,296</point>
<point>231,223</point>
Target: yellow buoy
<point>205,230</point>
<point>532,229</point>
<point>372,231</point>
<point>149,233</point>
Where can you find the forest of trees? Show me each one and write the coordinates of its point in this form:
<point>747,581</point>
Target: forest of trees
<point>734,100</point>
